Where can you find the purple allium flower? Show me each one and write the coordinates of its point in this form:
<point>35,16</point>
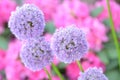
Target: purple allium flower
<point>27,22</point>
<point>93,74</point>
<point>36,54</point>
<point>69,44</point>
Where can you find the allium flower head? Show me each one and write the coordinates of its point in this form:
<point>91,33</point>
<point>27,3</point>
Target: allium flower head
<point>69,44</point>
<point>27,22</point>
<point>36,54</point>
<point>93,74</point>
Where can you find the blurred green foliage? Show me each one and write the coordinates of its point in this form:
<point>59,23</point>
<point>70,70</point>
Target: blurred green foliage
<point>108,54</point>
<point>50,27</point>
<point>5,37</point>
<point>3,43</point>
<point>107,22</point>
<point>95,12</point>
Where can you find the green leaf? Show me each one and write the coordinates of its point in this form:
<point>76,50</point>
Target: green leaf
<point>57,71</point>
<point>19,2</point>
<point>113,75</point>
<point>3,43</point>
<point>7,33</point>
<point>3,74</point>
<point>109,48</point>
<point>118,34</point>
<point>113,64</point>
<point>95,12</point>
<point>103,56</point>
<point>106,22</point>
<point>61,65</point>
<point>50,28</point>
<point>112,53</point>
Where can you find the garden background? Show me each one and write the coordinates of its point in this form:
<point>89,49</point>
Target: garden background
<point>90,15</point>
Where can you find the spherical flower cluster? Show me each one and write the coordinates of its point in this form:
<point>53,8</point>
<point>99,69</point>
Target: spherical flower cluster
<point>92,74</point>
<point>69,44</point>
<point>27,22</point>
<point>36,54</point>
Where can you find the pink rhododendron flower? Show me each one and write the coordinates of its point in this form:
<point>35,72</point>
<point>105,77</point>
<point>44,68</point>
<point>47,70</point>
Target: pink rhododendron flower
<point>14,50</point>
<point>76,12</point>
<point>48,37</point>
<point>6,7</point>
<point>39,74</point>
<point>55,78</point>
<point>2,59</point>
<point>70,12</point>
<point>1,77</point>
<point>70,68</point>
<point>47,6</point>
<point>90,60</point>
<point>96,33</point>
<point>15,70</point>
<point>115,9</point>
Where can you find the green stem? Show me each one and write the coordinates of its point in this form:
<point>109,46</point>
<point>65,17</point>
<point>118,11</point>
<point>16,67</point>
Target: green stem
<point>57,71</point>
<point>47,73</point>
<point>113,32</point>
<point>80,66</point>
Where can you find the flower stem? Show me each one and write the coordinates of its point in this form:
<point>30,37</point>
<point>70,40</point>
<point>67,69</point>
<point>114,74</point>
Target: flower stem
<point>113,32</point>
<point>80,66</point>
<point>57,71</point>
<point>47,73</point>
